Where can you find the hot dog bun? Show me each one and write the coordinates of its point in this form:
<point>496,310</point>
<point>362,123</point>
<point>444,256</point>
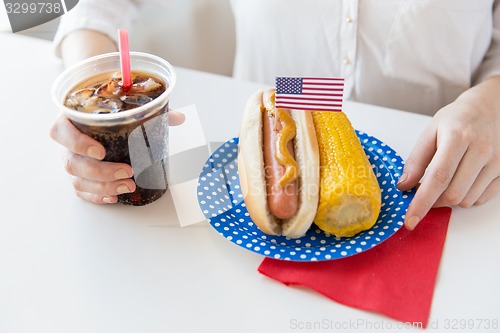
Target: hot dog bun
<point>252,173</point>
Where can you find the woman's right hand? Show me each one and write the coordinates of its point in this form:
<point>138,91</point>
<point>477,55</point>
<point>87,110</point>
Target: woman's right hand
<point>93,179</point>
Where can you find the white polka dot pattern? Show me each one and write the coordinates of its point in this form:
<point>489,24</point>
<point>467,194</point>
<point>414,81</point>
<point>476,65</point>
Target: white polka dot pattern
<point>221,201</point>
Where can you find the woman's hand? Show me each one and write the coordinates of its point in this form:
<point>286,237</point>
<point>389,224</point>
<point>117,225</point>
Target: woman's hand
<point>94,180</point>
<point>459,152</point>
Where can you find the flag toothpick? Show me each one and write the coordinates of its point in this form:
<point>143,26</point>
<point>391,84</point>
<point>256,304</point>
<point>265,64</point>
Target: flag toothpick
<point>309,93</point>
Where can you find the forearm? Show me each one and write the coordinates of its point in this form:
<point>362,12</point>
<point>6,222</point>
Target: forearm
<point>82,44</point>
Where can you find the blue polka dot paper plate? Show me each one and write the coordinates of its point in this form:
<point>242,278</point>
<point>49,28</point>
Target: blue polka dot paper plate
<point>221,200</point>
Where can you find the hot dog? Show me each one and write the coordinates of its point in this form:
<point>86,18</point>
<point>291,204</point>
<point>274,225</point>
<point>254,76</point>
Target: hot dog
<point>278,209</point>
<point>297,167</point>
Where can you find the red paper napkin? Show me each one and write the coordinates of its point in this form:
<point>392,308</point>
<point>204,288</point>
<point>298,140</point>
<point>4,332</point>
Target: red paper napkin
<point>395,278</point>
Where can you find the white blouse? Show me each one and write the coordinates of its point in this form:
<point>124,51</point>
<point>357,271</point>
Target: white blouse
<point>415,55</point>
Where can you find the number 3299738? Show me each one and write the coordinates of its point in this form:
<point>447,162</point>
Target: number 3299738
<point>33,7</point>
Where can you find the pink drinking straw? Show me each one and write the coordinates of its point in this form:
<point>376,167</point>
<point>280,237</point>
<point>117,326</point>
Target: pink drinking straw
<point>125,58</point>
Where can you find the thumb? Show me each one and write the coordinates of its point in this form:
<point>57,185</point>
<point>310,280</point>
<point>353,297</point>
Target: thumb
<point>175,118</point>
<point>420,157</point>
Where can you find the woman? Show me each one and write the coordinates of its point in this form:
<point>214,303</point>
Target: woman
<point>437,57</point>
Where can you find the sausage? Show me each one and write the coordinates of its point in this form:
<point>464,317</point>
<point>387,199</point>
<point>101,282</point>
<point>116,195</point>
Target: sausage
<point>282,202</point>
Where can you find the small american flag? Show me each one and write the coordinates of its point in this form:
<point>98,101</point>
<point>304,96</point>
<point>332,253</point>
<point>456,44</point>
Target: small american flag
<point>309,93</point>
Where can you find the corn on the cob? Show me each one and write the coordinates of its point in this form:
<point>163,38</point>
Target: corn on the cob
<point>350,195</point>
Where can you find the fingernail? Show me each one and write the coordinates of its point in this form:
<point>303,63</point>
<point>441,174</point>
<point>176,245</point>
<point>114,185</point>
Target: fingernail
<point>121,174</point>
<point>95,152</point>
<point>412,222</point>
<point>123,189</point>
<point>107,200</point>
<point>403,177</point>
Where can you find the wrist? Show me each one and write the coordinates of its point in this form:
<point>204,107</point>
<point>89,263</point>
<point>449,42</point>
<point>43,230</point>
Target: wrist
<point>483,97</point>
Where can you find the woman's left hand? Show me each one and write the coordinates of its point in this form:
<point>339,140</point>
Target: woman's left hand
<point>459,152</point>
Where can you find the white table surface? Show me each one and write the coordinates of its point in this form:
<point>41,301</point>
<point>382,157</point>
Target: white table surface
<point>70,266</point>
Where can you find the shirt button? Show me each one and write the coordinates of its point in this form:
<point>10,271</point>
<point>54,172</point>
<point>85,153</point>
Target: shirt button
<point>348,19</point>
<point>347,61</point>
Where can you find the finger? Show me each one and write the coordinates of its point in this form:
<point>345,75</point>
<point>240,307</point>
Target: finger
<point>438,177</point>
<point>175,118</point>
<point>65,133</point>
<point>96,198</point>
<point>468,170</point>
<point>483,180</point>
<point>491,191</point>
<point>91,169</point>
<point>419,159</point>
<point>104,188</point>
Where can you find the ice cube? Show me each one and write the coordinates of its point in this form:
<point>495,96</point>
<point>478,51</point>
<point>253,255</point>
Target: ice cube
<point>77,98</point>
<point>136,99</point>
<point>146,86</point>
<point>102,104</point>
<point>138,78</point>
<point>109,89</point>
<point>117,76</point>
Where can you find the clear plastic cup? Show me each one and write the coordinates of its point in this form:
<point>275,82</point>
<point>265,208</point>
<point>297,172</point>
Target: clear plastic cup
<point>138,136</point>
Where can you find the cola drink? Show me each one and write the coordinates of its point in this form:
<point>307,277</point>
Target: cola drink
<point>132,124</point>
<point>104,93</point>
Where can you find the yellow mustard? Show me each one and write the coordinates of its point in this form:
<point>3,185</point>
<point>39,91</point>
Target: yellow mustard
<point>283,156</point>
